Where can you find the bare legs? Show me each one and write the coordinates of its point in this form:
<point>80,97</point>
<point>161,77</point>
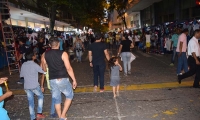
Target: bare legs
<point>65,109</point>
<point>115,91</point>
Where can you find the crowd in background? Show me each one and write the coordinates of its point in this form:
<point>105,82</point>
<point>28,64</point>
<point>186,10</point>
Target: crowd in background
<point>160,39</point>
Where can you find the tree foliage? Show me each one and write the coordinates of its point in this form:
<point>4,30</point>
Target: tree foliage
<point>120,7</point>
<point>86,12</point>
<point>51,7</point>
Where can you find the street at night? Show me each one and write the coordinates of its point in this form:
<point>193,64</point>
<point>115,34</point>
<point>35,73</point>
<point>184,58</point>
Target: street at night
<point>99,59</point>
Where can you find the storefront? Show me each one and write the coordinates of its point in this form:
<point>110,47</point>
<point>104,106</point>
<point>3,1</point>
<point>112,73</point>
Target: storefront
<point>169,11</point>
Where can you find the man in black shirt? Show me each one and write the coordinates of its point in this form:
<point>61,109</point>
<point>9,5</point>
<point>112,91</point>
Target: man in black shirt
<point>97,53</point>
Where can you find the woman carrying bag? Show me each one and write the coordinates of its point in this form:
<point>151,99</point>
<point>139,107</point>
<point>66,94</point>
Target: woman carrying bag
<point>124,49</point>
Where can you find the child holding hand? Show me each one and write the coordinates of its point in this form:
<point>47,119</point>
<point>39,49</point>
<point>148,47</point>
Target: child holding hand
<point>3,112</point>
<point>115,67</point>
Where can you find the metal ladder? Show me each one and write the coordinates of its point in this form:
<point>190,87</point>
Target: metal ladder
<point>8,37</point>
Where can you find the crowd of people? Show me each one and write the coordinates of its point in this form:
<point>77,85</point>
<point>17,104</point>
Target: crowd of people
<point>48,55</point>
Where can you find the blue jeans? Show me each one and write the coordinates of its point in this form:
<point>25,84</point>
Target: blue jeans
<point>52,106</point>
<point>126,56</point>
<point>182,63</point>
<point>173,55</point>
<point>79,54</point>
<point>30,95</point>
<point>62,85</point>
<point>21,80</point>
<point>99,71</point>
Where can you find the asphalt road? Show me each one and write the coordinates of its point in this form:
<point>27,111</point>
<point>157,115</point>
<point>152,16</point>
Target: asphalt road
<point>151,92</point>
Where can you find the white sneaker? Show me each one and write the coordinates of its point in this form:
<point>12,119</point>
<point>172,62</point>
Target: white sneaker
<point>180,74</point>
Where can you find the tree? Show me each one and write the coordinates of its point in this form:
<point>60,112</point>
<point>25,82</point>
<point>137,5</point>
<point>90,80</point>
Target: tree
<point>120,7</point>
<point>86,12</point>
<point>51,7</point>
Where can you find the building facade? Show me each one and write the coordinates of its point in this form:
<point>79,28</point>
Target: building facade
<point>157,12</point>
<point>28,13</point>
<point>169,11</point>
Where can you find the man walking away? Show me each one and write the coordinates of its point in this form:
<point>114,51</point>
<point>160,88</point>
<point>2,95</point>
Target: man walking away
<point>181,52</point>
<point>97,52</point>
<point>193,60</point>
<point>58,64</point>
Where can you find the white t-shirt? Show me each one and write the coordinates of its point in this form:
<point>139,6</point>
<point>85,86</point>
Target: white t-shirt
<point>148,38</point>
<point>130,38</point>
<point>74,39</point>
<point>193,46</point>
<point>34,42</point>
<point>34,35</point>
<point>47,36</point>
<point>196,26</point>
<point>83,38</point>
<point>137,38</point>
<point>168,44</point>
<point>185,26</point>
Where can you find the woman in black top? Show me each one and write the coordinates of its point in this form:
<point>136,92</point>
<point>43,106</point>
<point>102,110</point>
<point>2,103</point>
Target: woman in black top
<point>124,49</point>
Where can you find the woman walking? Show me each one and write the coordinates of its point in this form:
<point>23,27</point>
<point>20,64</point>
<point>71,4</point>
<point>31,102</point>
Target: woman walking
<point>124,49</point>
<point>78,45</point>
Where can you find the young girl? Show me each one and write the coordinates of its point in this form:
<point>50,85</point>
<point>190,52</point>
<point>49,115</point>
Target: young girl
<point>3,112</point>
<point>114,76</point>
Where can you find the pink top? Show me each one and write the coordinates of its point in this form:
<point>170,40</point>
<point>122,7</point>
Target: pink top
<point>182,38</point>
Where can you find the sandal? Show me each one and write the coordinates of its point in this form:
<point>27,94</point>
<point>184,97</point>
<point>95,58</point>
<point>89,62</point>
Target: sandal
<point>102,90</point>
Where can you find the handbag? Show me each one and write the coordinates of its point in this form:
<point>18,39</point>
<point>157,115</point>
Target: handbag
<point>132,57</point>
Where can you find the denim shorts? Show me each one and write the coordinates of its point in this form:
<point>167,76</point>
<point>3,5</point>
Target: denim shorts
<point>62,85</point>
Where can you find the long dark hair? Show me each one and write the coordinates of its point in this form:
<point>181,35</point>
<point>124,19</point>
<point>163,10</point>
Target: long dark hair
<point>112,61</point>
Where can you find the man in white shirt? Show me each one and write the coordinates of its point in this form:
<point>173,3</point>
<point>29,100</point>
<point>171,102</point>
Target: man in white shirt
<point>193,60</point>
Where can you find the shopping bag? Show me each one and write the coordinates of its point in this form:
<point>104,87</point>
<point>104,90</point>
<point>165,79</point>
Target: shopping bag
<point>132,57</point>
<point>121,57</point>
<point>47,79</point>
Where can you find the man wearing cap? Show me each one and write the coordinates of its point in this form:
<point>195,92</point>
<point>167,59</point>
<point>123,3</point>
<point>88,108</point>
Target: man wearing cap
<point>97,52</point>
<point>193,60</point>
